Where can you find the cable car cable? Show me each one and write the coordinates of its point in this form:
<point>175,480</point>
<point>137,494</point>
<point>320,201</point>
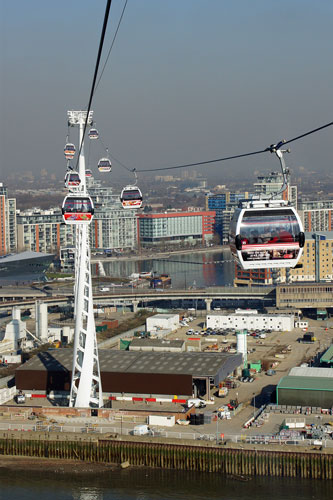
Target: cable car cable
<point>114,158</point>
<point>281,143</point>
<point>105,22</point>
<point>203,162</point>
<point>271,148</point>
<point>111,47</point>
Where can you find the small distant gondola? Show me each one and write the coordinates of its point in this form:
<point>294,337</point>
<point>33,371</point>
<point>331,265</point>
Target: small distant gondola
<point>131,197</point>
<point>72,180</point>
<point>104,165</point>
<point>266,234</point>
<point>93,133</point>
<point>69,151</point>
<point>77,209</point>
<point>88,173</point>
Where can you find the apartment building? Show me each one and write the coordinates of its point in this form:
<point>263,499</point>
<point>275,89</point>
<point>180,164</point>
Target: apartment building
<point>224,204</point>
<point>112,226</point>
<point>7,222</point>
<point>175,228</point>
<point>272,183</point>
<point>317,215</point>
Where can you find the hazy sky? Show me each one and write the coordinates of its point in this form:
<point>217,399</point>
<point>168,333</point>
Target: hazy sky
<point>187,80</point>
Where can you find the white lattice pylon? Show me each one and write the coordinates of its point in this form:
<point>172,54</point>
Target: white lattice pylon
<point>86,387</point>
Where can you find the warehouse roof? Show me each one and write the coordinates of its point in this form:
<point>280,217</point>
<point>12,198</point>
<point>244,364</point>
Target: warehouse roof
<point>137,342</point>
<point>327,357</point>
<point>309,383</point>
<point>163,316</point>
<point>307,371</point>
<point>185,363</point>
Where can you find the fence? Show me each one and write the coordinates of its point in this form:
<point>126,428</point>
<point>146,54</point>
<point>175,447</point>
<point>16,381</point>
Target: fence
<point>7,394</point>
<point>217,438</point>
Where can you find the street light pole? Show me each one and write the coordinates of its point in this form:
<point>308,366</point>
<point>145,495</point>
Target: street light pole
<point>217,427</point>
<point>254,404</point>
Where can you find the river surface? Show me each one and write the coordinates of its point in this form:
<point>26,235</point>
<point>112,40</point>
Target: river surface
<point>186,270</point>
<point>148,484</point>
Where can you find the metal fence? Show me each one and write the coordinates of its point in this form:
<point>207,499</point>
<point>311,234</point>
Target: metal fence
<point>217,438</point>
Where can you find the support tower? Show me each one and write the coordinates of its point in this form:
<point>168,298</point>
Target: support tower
<point>86,387</point>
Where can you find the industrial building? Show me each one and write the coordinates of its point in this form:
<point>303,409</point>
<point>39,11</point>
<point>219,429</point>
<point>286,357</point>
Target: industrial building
<point>135,373</point>
<point>306,387</point>
<point>167,322</point>
<point>327,358</point>
<point>244,319</point>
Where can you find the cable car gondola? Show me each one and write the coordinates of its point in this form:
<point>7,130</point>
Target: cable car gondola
<point>77,209</point>
<point>104,165</point>
<point>88,173</point>
<point>266,234</point>
<point>93,133</point>
<point>131,197</point>
<point>72,180</point>
<point>69,151</point>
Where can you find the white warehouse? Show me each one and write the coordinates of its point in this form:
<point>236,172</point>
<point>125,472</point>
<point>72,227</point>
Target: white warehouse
<point>254,321</point>
<point>162,322</point>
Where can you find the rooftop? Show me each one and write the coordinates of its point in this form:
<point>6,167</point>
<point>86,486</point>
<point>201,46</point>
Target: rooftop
<point>310,383</point>
<point>307,371</point>
<point>327,357</point>
<point>23,256</point>
<point>186,363</point>
<point>137,342</point>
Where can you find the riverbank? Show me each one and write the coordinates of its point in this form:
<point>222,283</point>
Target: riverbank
<point>92,456</point>
<point>57,466</point>
<point>156,254</point>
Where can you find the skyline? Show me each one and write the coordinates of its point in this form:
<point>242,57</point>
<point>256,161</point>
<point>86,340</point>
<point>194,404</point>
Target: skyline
<point>183,84</point>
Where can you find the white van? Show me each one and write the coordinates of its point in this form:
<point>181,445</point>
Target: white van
<point>104,289</point>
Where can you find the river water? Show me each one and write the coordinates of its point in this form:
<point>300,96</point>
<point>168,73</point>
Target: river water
<point>150,484</point>
<point>186,270</point>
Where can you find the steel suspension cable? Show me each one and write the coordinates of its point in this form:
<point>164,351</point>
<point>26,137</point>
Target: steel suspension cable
<point>105,22</point>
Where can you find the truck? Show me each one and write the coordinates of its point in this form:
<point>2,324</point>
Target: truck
<point>196,402</point>
<point>223,392</point>
<point>308,338</point>
<point>142,430</point>
<point>20,398</point>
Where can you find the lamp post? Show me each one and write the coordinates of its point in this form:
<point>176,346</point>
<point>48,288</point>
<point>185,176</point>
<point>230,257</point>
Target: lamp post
<point>254,404</point>
<point>217,427</point>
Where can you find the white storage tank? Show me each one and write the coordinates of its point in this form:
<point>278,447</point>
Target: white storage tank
<point>41,320</point>
<point>16,313</point>
<point>242,344</point>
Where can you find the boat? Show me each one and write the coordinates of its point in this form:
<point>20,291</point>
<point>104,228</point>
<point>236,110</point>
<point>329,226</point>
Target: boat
<point>160,281</point>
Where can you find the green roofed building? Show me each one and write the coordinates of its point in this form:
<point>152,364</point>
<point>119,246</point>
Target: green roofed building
<point>327,357</point>
<point>306,387</point>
